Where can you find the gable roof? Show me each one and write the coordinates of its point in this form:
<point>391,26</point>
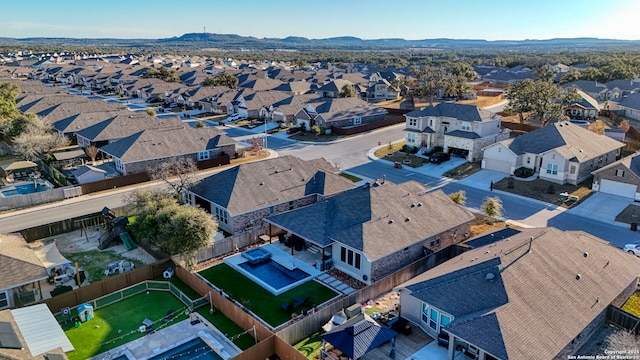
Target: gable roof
<point>121,126</point>
<point>631,162</point>
<point>19,264</point>
<point>586,86</point>
<point>260,184</point>
<point>631,101</point>
<point>344,108</point>
<point>558,285</point>
<point>166,142</point>
<point>377,220</point>
<point>572,141</point>
<point>463,112</point>
<point>358,336</point>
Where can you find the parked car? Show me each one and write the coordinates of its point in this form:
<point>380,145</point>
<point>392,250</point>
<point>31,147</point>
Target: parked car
<point>119,267</point>
<point>292,130</point>
<point>439,157</point>
<point>632,249</point>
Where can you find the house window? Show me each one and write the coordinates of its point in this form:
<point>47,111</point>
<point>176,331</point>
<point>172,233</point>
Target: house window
<point>357,120</point>
<point>444,320</point>
<point>572,169</point>
<point>413,122</point>
<point>411,137</point>
<point>291,205</point>
<point>552,169</point>
<point>222,215</point>
<point>431,123</point>
<point>528,159</point>
<point>343,254</point>
<point>4,300</point>
<point>620,173</point>
<point>350,257</point>
<point>203,155</point>
<point>357,263</point>
<point>270,209</point>
<point>433,319</point>
<point>119,164</point>
<point>466,126</point>
<point>425,313</point>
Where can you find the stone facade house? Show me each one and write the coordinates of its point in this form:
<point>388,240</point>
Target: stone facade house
<point>374,230</point>
<point>540,293</point>
<point>459,129</point>
<point>240,198</point>
<point>562,152</point>
<point>147,148</point>
<point>621,178</point>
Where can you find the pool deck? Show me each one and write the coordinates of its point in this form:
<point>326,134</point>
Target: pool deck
<point>169,337</point>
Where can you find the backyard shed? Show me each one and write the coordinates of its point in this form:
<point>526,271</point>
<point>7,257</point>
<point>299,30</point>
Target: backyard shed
<point>40,330</point>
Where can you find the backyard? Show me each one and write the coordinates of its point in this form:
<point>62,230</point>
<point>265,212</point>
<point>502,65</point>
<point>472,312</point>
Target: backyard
<point>94,262</point>
<point>632,305</point>
<point>263,303</point>
<point>117,324</point>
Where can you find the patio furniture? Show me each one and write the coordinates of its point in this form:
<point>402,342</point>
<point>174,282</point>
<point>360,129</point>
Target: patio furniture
<point>443,340</point>
<point>563,197</point>
<point>299,301</point>
<point>287,307</point>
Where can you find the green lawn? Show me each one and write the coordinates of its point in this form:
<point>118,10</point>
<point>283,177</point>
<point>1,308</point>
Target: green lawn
<point>101,333</point>
<point>260,301</point>
<point>310,346</point>
<point>353,178</point>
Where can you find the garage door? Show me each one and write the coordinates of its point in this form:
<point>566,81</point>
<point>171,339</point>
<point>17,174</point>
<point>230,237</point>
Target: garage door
<point>497,165</point>
<point>616,188</point>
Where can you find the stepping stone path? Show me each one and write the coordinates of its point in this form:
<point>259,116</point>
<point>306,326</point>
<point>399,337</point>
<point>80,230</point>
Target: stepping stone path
<point>335,284</point>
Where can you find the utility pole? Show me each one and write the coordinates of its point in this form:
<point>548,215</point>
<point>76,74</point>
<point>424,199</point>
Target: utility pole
<point>204,29</point>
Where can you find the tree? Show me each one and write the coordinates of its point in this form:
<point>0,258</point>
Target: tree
<point>545,73</point>
<point>164,73</point>
<point>8,94</point>
<point>459,197</point>
<point>179,174</point>
<point>92,152</point>
<point>174,228</point>
<point>315,129</point>
<point>348,90</point>
<point>222,79</point>
<point>36,140</point>
<point>150,112</point>
<point>464,70</point>
<point>520,97</point>
<point>456,86</point>
<point>624,125</point>
<point>544,99</point>
<point>492,207</point>
<point>432,80</point>
<point>621,341</point>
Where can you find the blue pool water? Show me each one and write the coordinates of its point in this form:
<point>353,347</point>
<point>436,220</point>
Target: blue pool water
<point>274,274</point>
<point>193,349</point>
<point>24,189</point>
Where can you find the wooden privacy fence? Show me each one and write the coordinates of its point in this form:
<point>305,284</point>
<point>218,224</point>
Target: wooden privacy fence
<point>110,285</point>
<point>623,319</point>
<point>389,120</point>
<point>224,246</point>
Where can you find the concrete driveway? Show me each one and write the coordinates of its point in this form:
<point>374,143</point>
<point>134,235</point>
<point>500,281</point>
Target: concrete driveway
<point>604,207</point>
<point>482,179</point>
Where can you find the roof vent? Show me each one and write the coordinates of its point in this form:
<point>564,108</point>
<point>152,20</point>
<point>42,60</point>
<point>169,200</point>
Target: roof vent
<point>413,205</point>
<point>391,221</point>
<point>490,276</point>
<point>585,254</point>
<point>302,179</point>
<point>578,276</point>
<point>407,219</point>
<point>419,204</point>
<point>261,183</point>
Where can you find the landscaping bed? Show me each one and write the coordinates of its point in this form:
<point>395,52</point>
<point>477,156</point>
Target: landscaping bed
<point>261,302</point>
<point>630,214</point>
<point>545,191</point>
<point>464,170</point>
<point>632,305</point>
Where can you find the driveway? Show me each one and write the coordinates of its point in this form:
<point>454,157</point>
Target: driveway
<point>604,207</point>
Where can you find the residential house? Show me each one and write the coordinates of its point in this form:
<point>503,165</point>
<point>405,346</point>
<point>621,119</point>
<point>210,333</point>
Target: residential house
<point>374,230</point>
<point>594,89</point>
<point>21,272</point>
<point>147,148</point>
<point>539,294</point>
<point>458,128</point>
<point>381,90</point>
<point>86,173</point>
<point>620,178</point>
<point>338,113</point>
<point>243,196</point>
<point>509,77</point>
<point>121,126</point>
<point>586,108</point>
<point>333,88</point>
<point>629,106</point>
<point>561,152</point>
<point>623,87</point>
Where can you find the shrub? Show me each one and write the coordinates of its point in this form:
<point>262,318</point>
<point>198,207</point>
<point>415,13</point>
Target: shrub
<point>551,189</point>
<point>523,172</point>
<point>510,183</point>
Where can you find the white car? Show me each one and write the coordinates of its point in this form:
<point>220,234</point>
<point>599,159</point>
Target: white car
<point>633,249</point>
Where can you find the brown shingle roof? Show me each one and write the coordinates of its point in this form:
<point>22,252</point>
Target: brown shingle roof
<point>18,263</point>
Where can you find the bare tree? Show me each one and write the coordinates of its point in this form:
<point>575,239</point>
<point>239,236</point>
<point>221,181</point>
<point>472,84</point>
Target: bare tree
<point>621,340</point>
<point>35,141</point>
<point>92,152</point>
<point>492,207</point>
<point>624,125</point>
<point>178,174</point>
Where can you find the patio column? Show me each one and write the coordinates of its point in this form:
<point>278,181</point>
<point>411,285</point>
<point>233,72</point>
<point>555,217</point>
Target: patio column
<point>451,350</point>
<point>270,233</point>
<point>322,268</point>
<point>392,354</point>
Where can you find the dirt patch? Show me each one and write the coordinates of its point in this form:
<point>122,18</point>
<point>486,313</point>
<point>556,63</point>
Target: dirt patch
<point>482,223</point>
<point>250,156</point>
<point>630,214</point>
<point>545,191</point>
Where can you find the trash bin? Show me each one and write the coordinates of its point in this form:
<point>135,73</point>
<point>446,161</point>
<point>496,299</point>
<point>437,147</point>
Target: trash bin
<point>634,226</point>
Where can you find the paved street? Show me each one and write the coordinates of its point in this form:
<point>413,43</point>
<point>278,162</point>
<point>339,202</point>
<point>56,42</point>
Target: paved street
<point>354,154</point>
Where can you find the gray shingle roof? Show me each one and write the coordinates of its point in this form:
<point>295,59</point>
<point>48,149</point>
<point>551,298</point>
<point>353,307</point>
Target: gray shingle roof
<point>463,134</point>
<point>345,108</point>
<point>166,142</point>
<point>264,183</point>
<point>458,111</point>
<point>19,264</point>
<point>121,126</point>
<point>535,303</point>
<point>377,220</point>
<point>570,139</point>
<point>358,336</point>
<point>631,101</point>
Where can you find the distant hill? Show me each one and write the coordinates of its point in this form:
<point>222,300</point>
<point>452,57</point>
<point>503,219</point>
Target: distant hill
<point>236,42</point>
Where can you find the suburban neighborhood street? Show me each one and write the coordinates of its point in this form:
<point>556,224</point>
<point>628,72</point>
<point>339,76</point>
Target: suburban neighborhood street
<point>350,154</point>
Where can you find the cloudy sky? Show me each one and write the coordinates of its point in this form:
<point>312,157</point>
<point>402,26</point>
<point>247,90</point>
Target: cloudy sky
<point>372,19</point>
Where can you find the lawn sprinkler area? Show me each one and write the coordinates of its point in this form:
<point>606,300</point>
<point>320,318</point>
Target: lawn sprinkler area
<point>269,307</point>
<point>117,328</point>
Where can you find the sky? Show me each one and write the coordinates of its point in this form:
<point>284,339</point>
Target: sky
<point>372,19</point>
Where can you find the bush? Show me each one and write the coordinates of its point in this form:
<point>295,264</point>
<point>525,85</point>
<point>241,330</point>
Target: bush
<point>551,189</point>
<point>523,172</point>
<point>510,183</point>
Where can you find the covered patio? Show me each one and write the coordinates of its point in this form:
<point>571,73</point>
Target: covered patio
<point>311,251</point>
<point>18,170</point>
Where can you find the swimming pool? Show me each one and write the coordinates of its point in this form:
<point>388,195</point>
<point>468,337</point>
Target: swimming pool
<point>274,274</point>
<point>192,349</point>
<point>25,189</point>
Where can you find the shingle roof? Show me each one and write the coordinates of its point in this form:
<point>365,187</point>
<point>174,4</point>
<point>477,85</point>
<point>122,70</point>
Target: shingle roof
<point>18,262</point>
<point>121,126</point>
<point>377,220</point>
<point>358,336</point>
<point>463,134</point>
<point>631,101</point>
<point>587,86</point>
<point>264,183</point>
<point>458,111</point>
<point>167,142</point>
<point>572,140</point>
<point>345,108</point>
<point>334,85</point>
<point>534,302</point>
<point>631,162</point>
